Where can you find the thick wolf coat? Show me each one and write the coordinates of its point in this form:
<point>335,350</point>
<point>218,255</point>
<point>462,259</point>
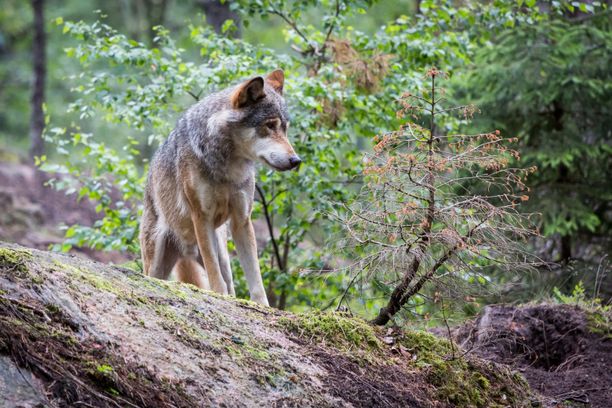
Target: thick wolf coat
<point>202,179</point>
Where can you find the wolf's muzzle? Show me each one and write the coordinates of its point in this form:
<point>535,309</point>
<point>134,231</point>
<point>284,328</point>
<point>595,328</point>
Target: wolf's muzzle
<point>294,161</point>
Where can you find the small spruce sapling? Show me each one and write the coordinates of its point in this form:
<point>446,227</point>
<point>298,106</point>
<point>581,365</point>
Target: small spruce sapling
<point>437,209</point>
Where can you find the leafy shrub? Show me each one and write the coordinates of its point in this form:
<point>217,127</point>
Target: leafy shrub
<point>338,100</point>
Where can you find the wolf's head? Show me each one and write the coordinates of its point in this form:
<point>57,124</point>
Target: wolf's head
<point>261,131</point>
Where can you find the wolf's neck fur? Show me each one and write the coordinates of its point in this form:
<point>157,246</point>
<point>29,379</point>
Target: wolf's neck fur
<point>210,138</point>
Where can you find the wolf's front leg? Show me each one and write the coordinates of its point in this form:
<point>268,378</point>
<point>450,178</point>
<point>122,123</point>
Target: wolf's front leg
<point>206,237</point>
<point>246,246</point>
<point>208,245</point>
<point>224,260</point>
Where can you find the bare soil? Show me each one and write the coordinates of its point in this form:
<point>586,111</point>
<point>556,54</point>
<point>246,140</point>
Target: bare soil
<point>31,213</point>
<point>553,346</point>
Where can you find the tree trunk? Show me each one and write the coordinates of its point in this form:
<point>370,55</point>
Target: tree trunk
<point>566,240</point>
<point>156,16</point>
<point>566,249</point>
<point>37,118</point>
<point>217,12</point>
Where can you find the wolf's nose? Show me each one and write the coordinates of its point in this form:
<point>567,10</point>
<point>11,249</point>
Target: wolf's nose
<point>294,161</point>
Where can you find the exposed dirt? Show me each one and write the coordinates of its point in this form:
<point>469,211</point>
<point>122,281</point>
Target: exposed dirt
<point>373,386</point>
<point>31,213</point>
<point>554,346</point>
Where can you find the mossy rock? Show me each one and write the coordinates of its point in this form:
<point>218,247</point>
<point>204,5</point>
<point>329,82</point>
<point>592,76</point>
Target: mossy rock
<point>14,258</point>
<point>108,336</point>
<point>334,329</point>
<point>461,380</point>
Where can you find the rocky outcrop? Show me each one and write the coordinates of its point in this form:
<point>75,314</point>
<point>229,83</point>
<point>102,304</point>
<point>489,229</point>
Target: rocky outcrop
<point>74,332</point>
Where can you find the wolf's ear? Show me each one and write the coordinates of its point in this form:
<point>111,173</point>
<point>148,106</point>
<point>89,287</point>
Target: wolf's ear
<point>276,79</point>
<point>248,93</point>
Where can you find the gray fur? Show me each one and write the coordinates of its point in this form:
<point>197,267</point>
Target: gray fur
<point>216,150</point>
<point>202,181</point>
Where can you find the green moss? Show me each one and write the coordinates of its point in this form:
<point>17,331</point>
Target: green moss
<point>51,308</point>
<point>103,374</point>
<point>249,304</point>
<point>599,321</point>
<point>426,346</point>
<point>59,334</point>
<point>135,266</point>
<point>458,384</point>
<point>256,352</point>
<point>458,381</point>
<point>244,350</point>
<point>14,259</point>
<point>334,329</point>
<point>104,369</point>
<point>233,351</point>
<point>140,300</point>
<point>91,278</point>
<point>100,283</point>
<point>482,382</point>
<point>179,326</point>
<point>161,286</point>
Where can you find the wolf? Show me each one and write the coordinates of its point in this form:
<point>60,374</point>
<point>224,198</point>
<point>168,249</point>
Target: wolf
<point>201,183</point>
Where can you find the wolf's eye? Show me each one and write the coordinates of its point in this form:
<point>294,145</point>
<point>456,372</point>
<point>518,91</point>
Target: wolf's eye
<point>271,125</point>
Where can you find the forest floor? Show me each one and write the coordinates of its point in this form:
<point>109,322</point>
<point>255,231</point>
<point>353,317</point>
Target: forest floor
<point>564,352</point>
<point>73,330</point>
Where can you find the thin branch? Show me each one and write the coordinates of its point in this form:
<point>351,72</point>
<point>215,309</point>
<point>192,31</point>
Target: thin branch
<point>348,287</point>
<point>195,96</point>
<point>293,25</point>
<point>270,226</point>
<point>332,25</point>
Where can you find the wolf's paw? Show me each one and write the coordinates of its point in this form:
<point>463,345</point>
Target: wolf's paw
<point>260,298</point>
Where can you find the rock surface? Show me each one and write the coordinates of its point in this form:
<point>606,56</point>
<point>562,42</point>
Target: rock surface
<point>74,332</point>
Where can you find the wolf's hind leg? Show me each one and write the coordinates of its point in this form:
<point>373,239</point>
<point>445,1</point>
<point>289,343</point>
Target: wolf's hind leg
<point>147,237</point>
<point>188,270</point>
<point>224,260</point>
<point>165,256</point>
<point>147,248</point>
